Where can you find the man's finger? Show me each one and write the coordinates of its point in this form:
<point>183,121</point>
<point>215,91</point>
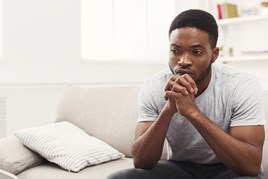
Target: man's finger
<point>179,89</point>
<point>171,94</point>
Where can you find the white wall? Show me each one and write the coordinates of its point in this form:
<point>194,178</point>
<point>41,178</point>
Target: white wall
<point>42,45</point>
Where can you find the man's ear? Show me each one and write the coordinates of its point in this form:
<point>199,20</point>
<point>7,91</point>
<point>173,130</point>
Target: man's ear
<point>215,54</point>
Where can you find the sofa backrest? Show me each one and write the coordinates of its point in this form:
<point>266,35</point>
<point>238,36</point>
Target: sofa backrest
<point>110,113</point>
<point>106,112</point>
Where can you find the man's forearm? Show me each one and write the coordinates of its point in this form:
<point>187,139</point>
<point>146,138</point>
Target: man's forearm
<point>147,148</point>
<point>241,156</point>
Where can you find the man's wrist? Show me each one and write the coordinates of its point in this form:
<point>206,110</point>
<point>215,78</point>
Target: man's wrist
<point>194,114</point>
<point>168,110</point>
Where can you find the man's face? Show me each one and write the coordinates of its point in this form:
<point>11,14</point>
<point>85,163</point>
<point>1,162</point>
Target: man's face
<point>191,53</point>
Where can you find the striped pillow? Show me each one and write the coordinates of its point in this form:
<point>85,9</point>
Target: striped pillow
<point>67,145</point>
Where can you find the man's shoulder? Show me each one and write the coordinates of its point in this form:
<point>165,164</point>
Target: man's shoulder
<point>229,73</point>
<point>160,77</point>
<point>225,70</point>
<point>163,74</point>
<point>230,76</point>
<point>156,82</point>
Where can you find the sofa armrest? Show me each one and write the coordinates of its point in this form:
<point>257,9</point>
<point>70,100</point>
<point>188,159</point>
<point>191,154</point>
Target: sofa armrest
<point>15,157</point>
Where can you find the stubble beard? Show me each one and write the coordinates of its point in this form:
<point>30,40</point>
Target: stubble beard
<point>201,77</point>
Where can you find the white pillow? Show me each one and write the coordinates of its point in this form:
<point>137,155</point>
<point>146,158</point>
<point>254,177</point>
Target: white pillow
<point>15,157</point>
<point>67,145</point>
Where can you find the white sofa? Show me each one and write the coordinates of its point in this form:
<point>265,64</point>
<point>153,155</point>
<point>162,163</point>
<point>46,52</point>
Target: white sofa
<point>106,112</point>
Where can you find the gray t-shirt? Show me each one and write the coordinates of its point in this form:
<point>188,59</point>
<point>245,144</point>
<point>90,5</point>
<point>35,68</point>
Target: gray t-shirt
<point>231,99</point>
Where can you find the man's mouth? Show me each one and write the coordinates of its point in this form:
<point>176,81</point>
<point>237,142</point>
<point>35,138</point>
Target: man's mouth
<point>183,71</point>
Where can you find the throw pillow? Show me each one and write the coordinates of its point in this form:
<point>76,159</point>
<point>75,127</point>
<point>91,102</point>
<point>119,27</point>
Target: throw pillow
<point>67,145</point>
<point>15,157</point>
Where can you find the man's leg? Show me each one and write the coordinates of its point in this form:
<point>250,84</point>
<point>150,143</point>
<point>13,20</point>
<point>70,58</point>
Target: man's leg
<point>260,176</point>
<point>206,171</point>
<point>162,170</point>
<point>213,171</point>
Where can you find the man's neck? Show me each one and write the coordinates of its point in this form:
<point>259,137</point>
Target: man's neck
<point>202,86</point>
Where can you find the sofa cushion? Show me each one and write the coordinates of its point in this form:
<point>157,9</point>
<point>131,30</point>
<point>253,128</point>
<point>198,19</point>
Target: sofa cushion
<point>68,146</point>
<point>15,157</point>
<point>101,111</point>
<point>50,171</point>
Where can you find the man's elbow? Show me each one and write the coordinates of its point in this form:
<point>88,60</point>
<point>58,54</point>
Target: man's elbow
<point>250,170</point>
<point>141,164</point>
<point>254,171</point>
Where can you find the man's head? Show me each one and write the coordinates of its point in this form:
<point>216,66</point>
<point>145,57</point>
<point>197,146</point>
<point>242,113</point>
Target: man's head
<point>198,19</point>
<point>193,37</point>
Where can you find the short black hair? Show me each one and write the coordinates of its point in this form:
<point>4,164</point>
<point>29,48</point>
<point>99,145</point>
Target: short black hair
<point>198,19</point>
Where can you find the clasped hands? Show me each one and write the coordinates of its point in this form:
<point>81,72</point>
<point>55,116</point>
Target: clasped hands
<point>180,92</point>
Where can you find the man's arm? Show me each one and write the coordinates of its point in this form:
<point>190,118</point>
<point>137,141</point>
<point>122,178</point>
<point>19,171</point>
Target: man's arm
<point>240,149</point>
<point>150,137</point>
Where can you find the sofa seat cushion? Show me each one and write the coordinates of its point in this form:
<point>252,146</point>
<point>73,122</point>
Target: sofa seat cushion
<point>53,171</point>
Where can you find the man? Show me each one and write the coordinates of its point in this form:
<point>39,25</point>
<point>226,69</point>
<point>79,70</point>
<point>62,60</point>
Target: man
<point>211,114</point>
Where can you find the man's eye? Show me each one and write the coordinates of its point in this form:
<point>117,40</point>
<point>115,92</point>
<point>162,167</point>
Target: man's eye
<point>197,52</point>
<point>175,51</point>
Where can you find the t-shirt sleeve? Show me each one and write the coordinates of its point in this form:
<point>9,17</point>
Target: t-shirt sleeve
<point>248,105</point>
<point>147,110</point>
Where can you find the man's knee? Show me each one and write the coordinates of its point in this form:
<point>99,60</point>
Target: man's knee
<point>114,175</point>
<point>122,174</point>
<point>132,173</point>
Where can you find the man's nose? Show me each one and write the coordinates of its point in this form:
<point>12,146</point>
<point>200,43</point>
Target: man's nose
<point>185,60</point>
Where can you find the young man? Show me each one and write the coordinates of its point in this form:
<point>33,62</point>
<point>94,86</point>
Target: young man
<point>211,114</point>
